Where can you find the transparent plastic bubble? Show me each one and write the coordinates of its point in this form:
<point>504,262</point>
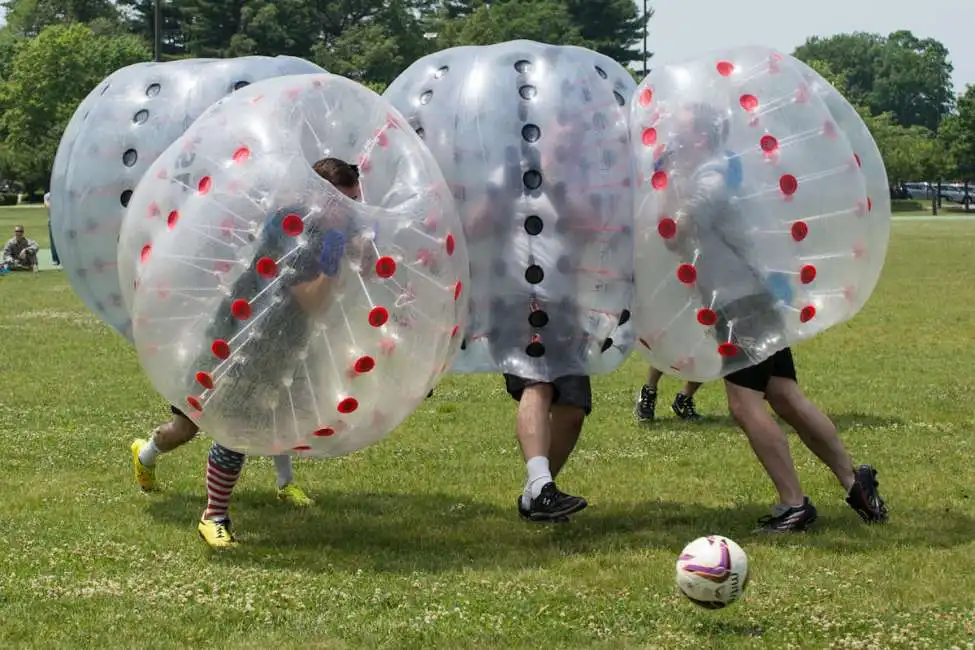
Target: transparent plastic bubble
<point>116,133</point>
<point>533,140</point>
<point>277,311</point>
<point>756,226</point>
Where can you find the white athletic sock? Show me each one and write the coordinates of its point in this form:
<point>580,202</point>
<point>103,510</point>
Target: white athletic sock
<point>538,475</point>
<point>149,453</point>
<point>282,465</point>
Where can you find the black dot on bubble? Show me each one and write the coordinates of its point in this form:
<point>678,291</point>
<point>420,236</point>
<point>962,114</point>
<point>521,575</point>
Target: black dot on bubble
<point>130,157</point>
<point>531,132</point>
<point>528,92</point>
<point>535,350</point>
<point>141,116</point>
<point>241,84</point>
<point>72,234</point>
<point>463,344</point>
<point>534,274</point>
<point>426,97</point>
<point>533,225</point>
<point>607,344</point>
<point>85,117</point>
<point>619,98</point>
<point>538,319</point>
<point>441,71</point>
<point>153,90</point>
<point>564,264</point>
<point>125,198</point>
<point>420,132</point>
<point>624,316</point>
<point>523,66</point>
<point>532,179</point>
<point>601,72</point>
<point>105,89</point>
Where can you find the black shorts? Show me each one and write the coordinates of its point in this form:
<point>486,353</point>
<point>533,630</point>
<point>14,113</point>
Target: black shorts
<point>757,377</point>
<point>571,390</point>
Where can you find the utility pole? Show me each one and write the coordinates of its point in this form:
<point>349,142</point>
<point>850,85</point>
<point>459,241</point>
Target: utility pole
<point>645,21</point>
<point>158,27</point>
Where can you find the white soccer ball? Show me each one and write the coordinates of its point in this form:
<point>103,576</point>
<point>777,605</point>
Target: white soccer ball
<point>712,571</point>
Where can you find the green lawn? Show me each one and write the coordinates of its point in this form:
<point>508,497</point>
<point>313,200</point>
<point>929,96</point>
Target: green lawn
<point>415,543</point>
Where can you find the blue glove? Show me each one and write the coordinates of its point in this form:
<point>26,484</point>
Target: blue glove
<point>780,287</point>
<point>333,248</point>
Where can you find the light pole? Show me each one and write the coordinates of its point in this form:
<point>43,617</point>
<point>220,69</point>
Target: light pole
<point>157,26</point>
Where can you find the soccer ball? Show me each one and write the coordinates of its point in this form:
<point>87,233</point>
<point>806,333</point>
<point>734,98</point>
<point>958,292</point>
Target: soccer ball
<point>712,571</point>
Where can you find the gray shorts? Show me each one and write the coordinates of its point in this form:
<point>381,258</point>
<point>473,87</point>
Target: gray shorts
<point>571,390</point>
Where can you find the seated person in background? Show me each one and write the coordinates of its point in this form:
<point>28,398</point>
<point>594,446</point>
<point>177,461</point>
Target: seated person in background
<point>20,253</point>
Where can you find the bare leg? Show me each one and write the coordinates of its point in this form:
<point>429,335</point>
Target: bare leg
<point>815,429</point>
<point>768,441</point>
<point>566,426</point>
<point>532,424</point>
<point>175,433</point>
<point>653,378</point>
<point>690,388</point>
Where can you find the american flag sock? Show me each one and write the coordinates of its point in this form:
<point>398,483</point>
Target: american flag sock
<point>223,470</point>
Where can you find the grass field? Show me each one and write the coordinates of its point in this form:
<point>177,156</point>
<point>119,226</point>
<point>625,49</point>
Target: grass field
<point>415,543</point>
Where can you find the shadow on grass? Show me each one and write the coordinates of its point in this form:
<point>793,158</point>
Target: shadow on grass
<point>403,533</point>
<point>848,421</point>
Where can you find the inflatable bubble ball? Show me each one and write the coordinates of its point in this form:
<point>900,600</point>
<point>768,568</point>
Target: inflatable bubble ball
<point>534,143</point>
<point>762,215</point>
<point>296,270</point>
<point>116,133</point>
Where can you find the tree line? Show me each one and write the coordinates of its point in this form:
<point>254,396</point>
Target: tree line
<point>53,52</point>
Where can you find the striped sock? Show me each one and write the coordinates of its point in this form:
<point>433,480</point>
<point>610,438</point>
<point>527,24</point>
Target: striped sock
<point>223,470</point>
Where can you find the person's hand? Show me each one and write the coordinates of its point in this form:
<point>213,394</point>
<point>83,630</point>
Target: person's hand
<point>23,254</point>
<point>333,248</point>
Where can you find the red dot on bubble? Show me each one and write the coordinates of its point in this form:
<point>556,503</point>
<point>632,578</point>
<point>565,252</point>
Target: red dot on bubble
<point>856,157</point>
<point>807,314</point>
<point>869,204</point>
<point>292,225</point>
<point>324,432</point>
<point>649,137</point>
<point>788,184</point>
<point>686,273</point>
<point>666,227</point>
<point>725,68</point>
<point>242,155</point>
<point>769,144</point>
<point>172,218</point>
<point>146,252</point>
<point>829,130</point>
<point>807,274</point>
<point>450,244</point>
<point>204,379</point>
<point>364,364</point>
<point>799,230</point>
<point>453,332</point>
<point>220,349</point>
<point>205,185</point>
<point>266,267</point>
<point>646,97</point>
<point>241,309</point>
<point>748,102</point>
<point>153,211</point>
<point>727,349</point>
<point>348,405</point>
<point>707,317</point>
<point>194,403</point>
<point>385,267</point>
<point>378,316</point>
<point>301,448</point>
<point>382,140</point>
<point>458,288</point>
<point>659,180</point>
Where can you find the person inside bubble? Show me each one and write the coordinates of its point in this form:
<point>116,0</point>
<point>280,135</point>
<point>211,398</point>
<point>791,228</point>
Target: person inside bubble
<point>309,276</point>
<point>712,234</point>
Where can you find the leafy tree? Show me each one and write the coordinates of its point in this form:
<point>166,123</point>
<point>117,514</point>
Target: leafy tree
<point>909,153</point>
<point>209,26</point>
<point>29,17</point>
<point>546,21</point>
<point>898,74</point>
<point>610,27</point>
<point>139,17</point>
<point>958,135</point>
<point>49,76</point>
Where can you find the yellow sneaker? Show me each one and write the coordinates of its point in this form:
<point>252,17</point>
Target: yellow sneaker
<point>144,476</point>
<point>216,533</point>
<point>294,496</point>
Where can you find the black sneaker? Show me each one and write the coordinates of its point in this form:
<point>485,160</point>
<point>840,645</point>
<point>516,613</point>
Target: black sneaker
<point>684,407</point>
<point>525,514</point>
<point>646,405</point>
<point>788,520</point>
<point>552,505</point>
<point>864,497</point>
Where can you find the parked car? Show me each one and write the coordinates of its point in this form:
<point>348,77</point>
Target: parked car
<point>958,193</point>
<point>917,190</point>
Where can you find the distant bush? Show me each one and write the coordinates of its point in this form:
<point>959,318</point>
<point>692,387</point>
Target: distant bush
<point>8,199</point>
